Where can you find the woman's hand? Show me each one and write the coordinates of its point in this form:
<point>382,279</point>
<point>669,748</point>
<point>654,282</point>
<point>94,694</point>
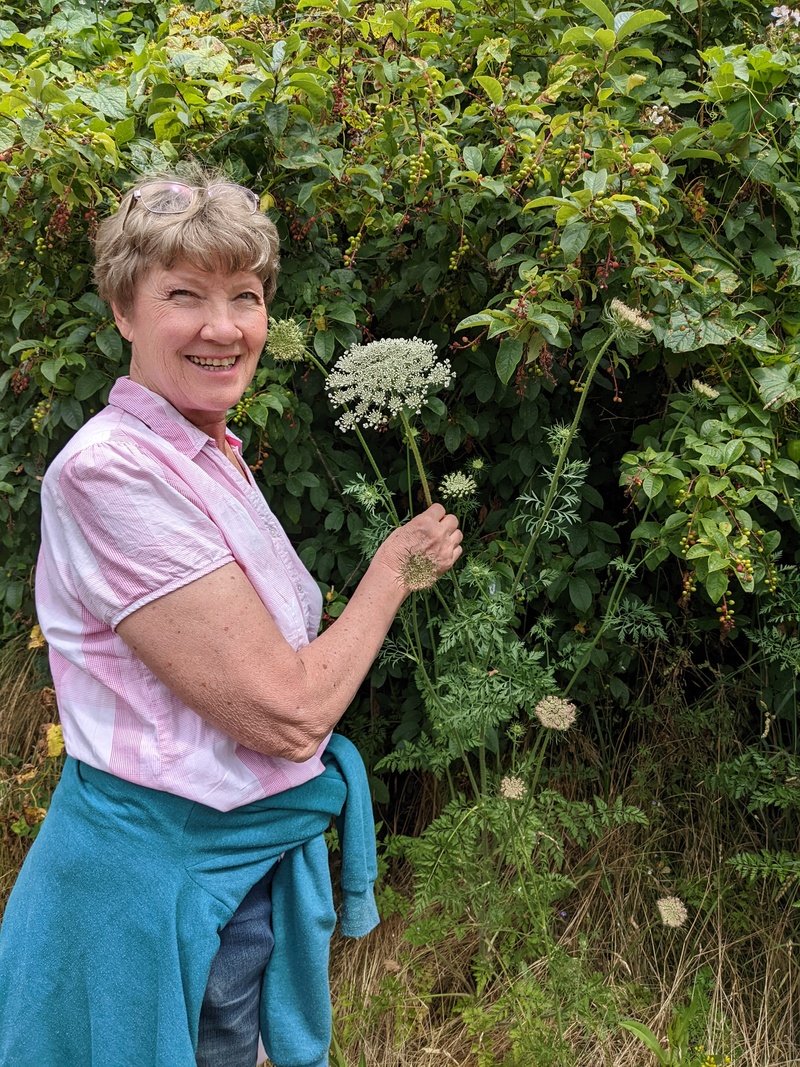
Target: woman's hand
<point>425,547</point>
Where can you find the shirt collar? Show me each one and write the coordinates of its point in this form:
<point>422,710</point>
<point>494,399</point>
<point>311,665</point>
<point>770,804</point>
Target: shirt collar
<point>161,417</point>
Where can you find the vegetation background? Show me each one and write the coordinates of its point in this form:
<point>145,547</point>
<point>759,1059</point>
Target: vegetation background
<point>592,211</point>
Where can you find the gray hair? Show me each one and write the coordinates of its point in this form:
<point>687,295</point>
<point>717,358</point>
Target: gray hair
<point>215,233</point>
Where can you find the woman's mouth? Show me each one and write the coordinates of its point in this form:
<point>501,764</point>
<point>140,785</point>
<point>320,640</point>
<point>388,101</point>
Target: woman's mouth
<point>224,363</point>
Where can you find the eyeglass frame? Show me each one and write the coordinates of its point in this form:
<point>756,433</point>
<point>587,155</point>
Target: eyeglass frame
<point>250,199</point>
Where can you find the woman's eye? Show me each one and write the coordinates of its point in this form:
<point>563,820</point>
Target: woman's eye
<point>179,292</point>
<point>249,296</point>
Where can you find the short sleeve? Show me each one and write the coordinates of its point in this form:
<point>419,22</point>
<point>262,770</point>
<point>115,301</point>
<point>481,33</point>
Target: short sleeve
<point>131,529</point>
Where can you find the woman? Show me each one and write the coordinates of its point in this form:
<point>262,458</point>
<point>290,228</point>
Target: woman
<point>196,698</point>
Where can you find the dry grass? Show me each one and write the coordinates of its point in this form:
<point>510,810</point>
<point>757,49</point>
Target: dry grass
<point>27,776</point>
<point>401,1005</point>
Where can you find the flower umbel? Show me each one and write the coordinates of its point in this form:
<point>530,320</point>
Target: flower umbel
<point>628,320</point>
<point>418,571</point>
<point>456,486</point>
<point>286,341</point>
<point>672,911</point>
<point>513,788</point>
<point>783,15</point>
<point>378,380</point>
<point>704,390</point>
<point>555,713</point>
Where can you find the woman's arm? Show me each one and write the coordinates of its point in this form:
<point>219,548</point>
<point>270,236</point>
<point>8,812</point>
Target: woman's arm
<point>215,645</point>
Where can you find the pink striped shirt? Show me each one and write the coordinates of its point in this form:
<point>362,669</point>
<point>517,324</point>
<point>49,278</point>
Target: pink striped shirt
<point>139,503</point>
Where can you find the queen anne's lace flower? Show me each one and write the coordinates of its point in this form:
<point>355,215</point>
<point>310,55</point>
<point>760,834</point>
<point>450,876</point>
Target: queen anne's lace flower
<point>285,341</point>
<point>628,319</point>
<point>704,390</point>
<point>555,713</point>
<point>457,486</point>
<point>672,911</point>
<point>513,788</point>
<point>378,380</point>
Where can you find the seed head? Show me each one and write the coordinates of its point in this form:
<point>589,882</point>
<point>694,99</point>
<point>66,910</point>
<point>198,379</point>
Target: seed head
<point>285,341</point>
<point>513,788</point>
<point>418,571</point>
<point>380,379</point>
<point>672,911</point>
<point>555,713</point>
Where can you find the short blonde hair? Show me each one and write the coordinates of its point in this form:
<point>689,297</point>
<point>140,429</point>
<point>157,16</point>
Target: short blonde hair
<point>216,233</point>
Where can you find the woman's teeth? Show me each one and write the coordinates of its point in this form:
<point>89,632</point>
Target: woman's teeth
<point>204,361</point>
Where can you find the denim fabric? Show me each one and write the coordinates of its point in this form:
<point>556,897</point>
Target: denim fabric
<point>228,1035</point>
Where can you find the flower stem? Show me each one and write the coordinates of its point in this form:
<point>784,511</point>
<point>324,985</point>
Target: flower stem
<point>412,444</point>
<point>562,459</point>
<point>367,451</point>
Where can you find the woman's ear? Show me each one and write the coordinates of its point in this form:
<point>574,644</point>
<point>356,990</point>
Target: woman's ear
<point>122,321</point>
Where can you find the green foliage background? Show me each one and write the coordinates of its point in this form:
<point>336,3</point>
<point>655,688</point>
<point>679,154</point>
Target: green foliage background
<point>489,176</point>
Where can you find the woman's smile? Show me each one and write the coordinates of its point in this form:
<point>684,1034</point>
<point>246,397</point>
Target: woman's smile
<point>196,337</point>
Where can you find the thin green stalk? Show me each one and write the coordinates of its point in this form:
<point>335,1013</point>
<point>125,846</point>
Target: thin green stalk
<point>562,459</point>
<point>367,451</point>
<point>620,585</point>
<point>412,444</point>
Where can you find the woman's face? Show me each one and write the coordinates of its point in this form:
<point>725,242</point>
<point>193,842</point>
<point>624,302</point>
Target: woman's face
<point>196,338</point>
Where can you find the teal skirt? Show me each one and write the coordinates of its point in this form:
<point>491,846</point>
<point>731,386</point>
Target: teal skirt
<point>112,926</point>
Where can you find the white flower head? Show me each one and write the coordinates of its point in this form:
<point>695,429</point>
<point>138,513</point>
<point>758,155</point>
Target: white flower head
<point>672,911</point>
<point>706,391</point>
<point>555,713</point>
<point>627,320</point>
<point>458,486</point>
<point>783,15</point>
<point>513,788</point>
<point>286,341</point>
<point>380,379</point>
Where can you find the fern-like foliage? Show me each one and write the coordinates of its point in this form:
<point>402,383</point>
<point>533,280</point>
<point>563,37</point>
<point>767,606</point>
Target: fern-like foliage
<point>565,507</point>
<point>760,866</point>
<point>761,780</point>
<point>635,621</point>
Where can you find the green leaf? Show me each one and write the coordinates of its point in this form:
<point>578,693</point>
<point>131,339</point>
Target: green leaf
<point>778,385</point>
<point>574,239</point>
<point>110,343</point>
<point>508,357</point>
<point>627,23</point>
<point>31,130</point>
<point>324,345</point>
<point>50,368</point>
<point>716,585</point>
<point>491,86</point>
<point>580,594</point>
<point>644,1033</point>
<point>607,39</point>
<point>90,382</point>
<point>598,8</point>
<point>473,158</point>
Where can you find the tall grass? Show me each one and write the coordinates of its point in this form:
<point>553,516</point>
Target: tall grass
<point>28,773</point>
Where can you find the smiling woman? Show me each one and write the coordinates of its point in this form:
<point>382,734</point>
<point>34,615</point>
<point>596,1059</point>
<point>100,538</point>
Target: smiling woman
<point>196,338</point>
<point>196,698</point>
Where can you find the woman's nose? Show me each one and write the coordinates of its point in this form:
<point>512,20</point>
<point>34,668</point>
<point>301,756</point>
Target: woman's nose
<point>221,326</point>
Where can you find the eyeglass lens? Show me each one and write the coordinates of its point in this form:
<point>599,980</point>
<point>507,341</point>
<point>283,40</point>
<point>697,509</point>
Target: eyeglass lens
<point>172,198</point>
